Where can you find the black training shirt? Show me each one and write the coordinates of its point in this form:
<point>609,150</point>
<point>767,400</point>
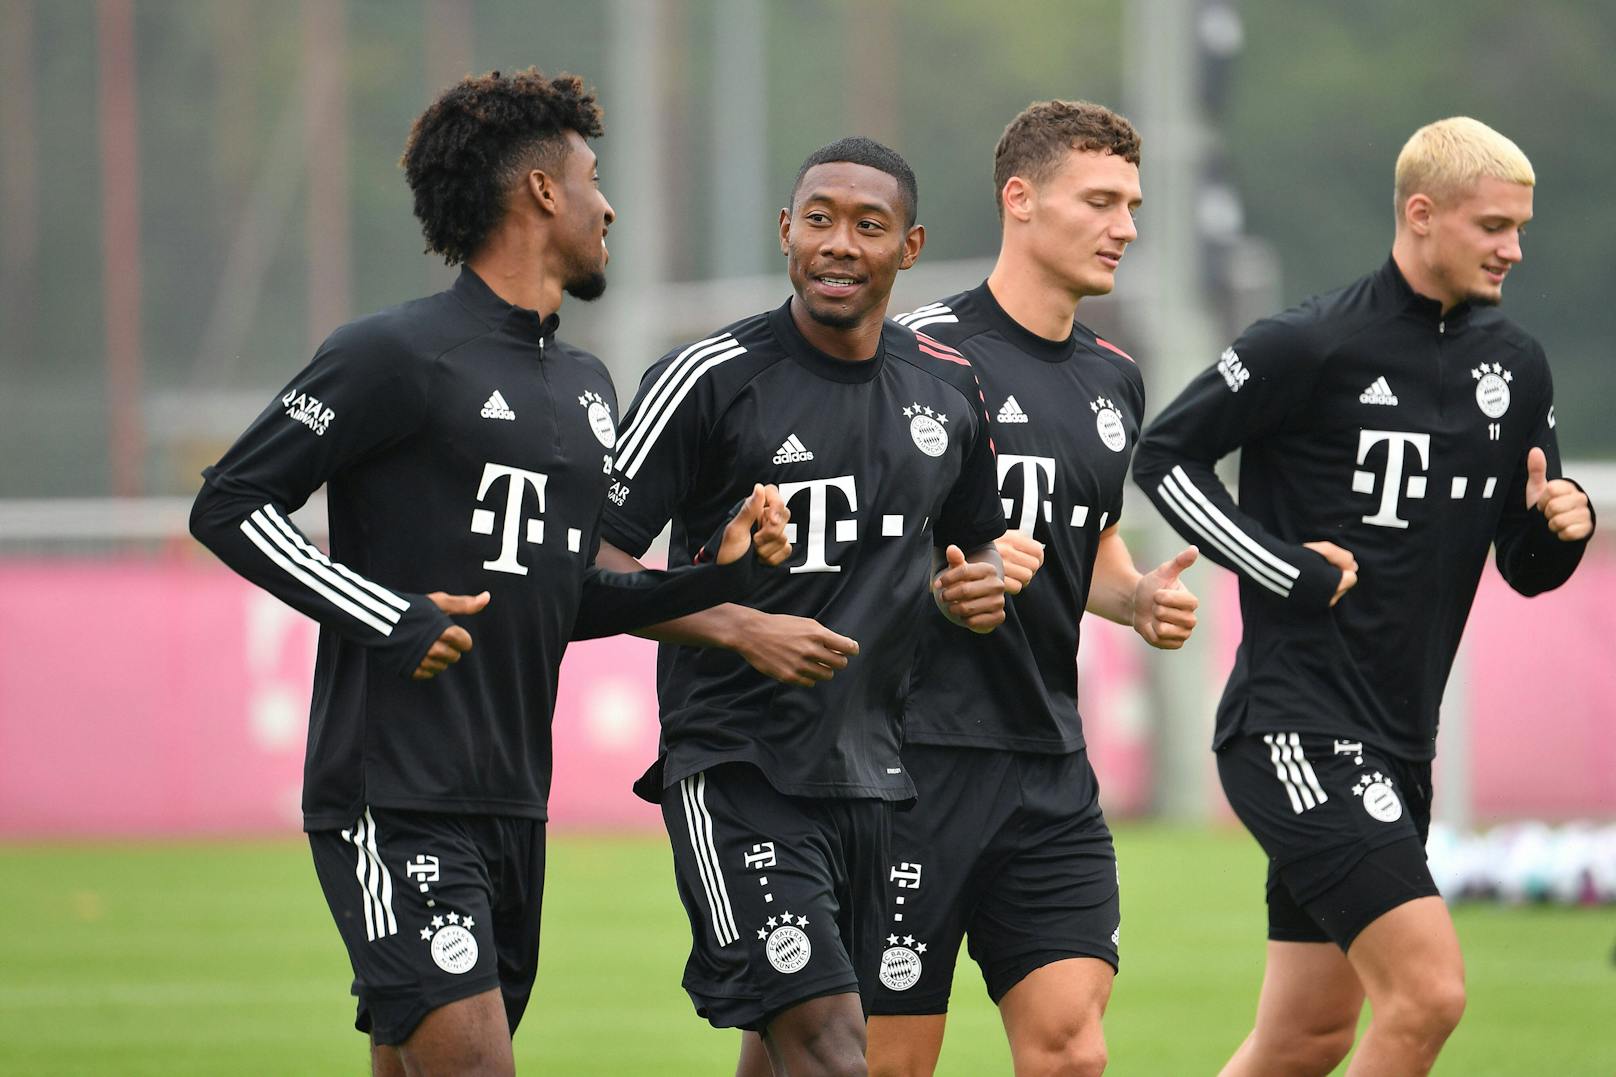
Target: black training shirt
<point>877,461</point>
<point>1065,416</point>
<point>1366,418</point>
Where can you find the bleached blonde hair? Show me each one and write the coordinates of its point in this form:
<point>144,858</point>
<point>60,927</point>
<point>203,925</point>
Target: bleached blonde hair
<point>1445,159</point>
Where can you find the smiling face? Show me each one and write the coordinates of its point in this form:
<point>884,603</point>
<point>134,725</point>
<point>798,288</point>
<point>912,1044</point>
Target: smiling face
<point>845,238</point>
<point>1080,218</point>
<point>585,218</point>
<point>1468,243</point>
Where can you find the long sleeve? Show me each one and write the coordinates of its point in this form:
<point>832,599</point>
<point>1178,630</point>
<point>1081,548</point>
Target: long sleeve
<point>351,401</point>
<point>1530,557</point>
<point>1249,393</point>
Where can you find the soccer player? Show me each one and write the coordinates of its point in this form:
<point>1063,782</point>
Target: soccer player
<point>777,793</point>
<point>463,447</point>
<point>1391,431</point>
<point>1008,845</point>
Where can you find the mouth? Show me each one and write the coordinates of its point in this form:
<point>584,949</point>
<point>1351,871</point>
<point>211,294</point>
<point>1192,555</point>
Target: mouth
<point>1495,274</point>
<point>835,285</point>
<point>1110,259</point>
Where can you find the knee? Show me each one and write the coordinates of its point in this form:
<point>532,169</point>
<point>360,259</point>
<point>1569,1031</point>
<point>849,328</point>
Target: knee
<point>1431,1008</point>
<point>1076,1050</point>
<point>834,1050</point>
<point>1317,1051</point>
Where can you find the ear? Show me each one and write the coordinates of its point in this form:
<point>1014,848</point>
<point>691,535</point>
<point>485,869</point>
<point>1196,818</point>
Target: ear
<point>1018,197</point>
<point>1417,213</point>
<point>912,242</point>
<point>785,230</point>
<point>545,192</point>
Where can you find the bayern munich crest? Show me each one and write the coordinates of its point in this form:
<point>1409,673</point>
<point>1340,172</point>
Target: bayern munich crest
<point>1108,424</point>
<point>927,429</point>
<point>1375,790</point>
<point>600,418</point>
<point>900,963</point>
<point>1492,389</point>
<point>785,944</point>
<point>454,947</point>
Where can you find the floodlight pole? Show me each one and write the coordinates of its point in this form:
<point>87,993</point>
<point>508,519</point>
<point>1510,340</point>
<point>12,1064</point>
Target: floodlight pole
<point>1179,339</point>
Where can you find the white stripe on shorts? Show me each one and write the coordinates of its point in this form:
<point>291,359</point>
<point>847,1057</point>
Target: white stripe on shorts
<point>693,790</point>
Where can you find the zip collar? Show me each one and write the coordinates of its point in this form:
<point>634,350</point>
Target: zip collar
<point>477,297</point>
<point>1422,307</point>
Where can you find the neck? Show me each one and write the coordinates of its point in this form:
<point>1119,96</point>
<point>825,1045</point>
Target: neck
<point>513,263</point>
<point>857,344</point>
<point>1405,252</point>
<point>1038,304</point>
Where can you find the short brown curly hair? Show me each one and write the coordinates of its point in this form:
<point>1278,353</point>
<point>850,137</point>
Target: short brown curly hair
<point>1036,142</point>
<point>472,144</point>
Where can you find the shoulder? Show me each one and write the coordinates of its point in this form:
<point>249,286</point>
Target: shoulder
<point>948,319</point>
<point>1121,365</point>
<point>411,333</point>
<point>1507,334</point>
<point>589,361</point>
<point>714,366</point>
<point>931,357</point>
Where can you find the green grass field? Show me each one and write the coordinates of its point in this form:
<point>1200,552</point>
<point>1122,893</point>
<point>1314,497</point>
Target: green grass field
<point>220,959</point>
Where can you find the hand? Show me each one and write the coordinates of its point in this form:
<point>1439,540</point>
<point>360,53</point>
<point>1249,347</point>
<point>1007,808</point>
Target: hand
<point>454,641</point>
<point>970,593</point>
<point>768,514</point>
<point>1022,555</point>
<point>1341,559</point>
<point>1163,608</point>
<point>1563,505</point>
<point>795,650</point>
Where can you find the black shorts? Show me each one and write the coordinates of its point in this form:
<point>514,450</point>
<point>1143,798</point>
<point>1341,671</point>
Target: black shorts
<point>1344,826</point>
<point>783,893</point>
<point>1009,849</point>
<point>433,908</point>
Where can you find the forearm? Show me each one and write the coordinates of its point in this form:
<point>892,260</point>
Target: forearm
<point>718,626</point>
<point>1114,582</point>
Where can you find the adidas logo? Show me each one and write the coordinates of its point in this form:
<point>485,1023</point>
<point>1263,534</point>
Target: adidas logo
<point>496,408</point>
<point>792,451</point>
<point>1011,412</point>
<point>1378,393</point>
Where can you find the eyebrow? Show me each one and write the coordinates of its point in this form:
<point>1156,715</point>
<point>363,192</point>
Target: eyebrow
<point>1109,192</point>
<point>860,207</point>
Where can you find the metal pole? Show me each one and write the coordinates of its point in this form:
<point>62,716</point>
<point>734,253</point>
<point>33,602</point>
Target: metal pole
<point>325,158</point>
<point>738,203</point>
<point>636,142</point>
<point>1178,339</point>
<point>120,237</point>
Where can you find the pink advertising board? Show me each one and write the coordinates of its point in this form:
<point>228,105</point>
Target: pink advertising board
<point>169,698</point>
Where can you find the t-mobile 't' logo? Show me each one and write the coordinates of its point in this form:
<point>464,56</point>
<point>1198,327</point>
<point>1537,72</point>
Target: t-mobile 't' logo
<point>816,519</point>
<point>483,520</point>
<point>1363,482</point>
<point>1037,480</point>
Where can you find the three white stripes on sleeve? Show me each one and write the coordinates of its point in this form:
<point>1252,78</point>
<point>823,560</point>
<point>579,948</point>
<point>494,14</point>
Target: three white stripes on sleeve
<point>1208,521</point>
<point>350,592</point>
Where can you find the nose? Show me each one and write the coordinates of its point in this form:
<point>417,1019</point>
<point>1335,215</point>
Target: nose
<point>611,214</point>
<point>1123,228</point>
<point>1511,250</point>
<point>839,242</point>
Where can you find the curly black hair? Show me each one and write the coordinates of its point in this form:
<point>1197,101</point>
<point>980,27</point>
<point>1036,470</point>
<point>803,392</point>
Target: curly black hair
<point>473,143</point>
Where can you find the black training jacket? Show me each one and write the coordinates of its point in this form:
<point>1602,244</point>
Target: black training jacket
<point>1367,418</point>
<point>463,449</point>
